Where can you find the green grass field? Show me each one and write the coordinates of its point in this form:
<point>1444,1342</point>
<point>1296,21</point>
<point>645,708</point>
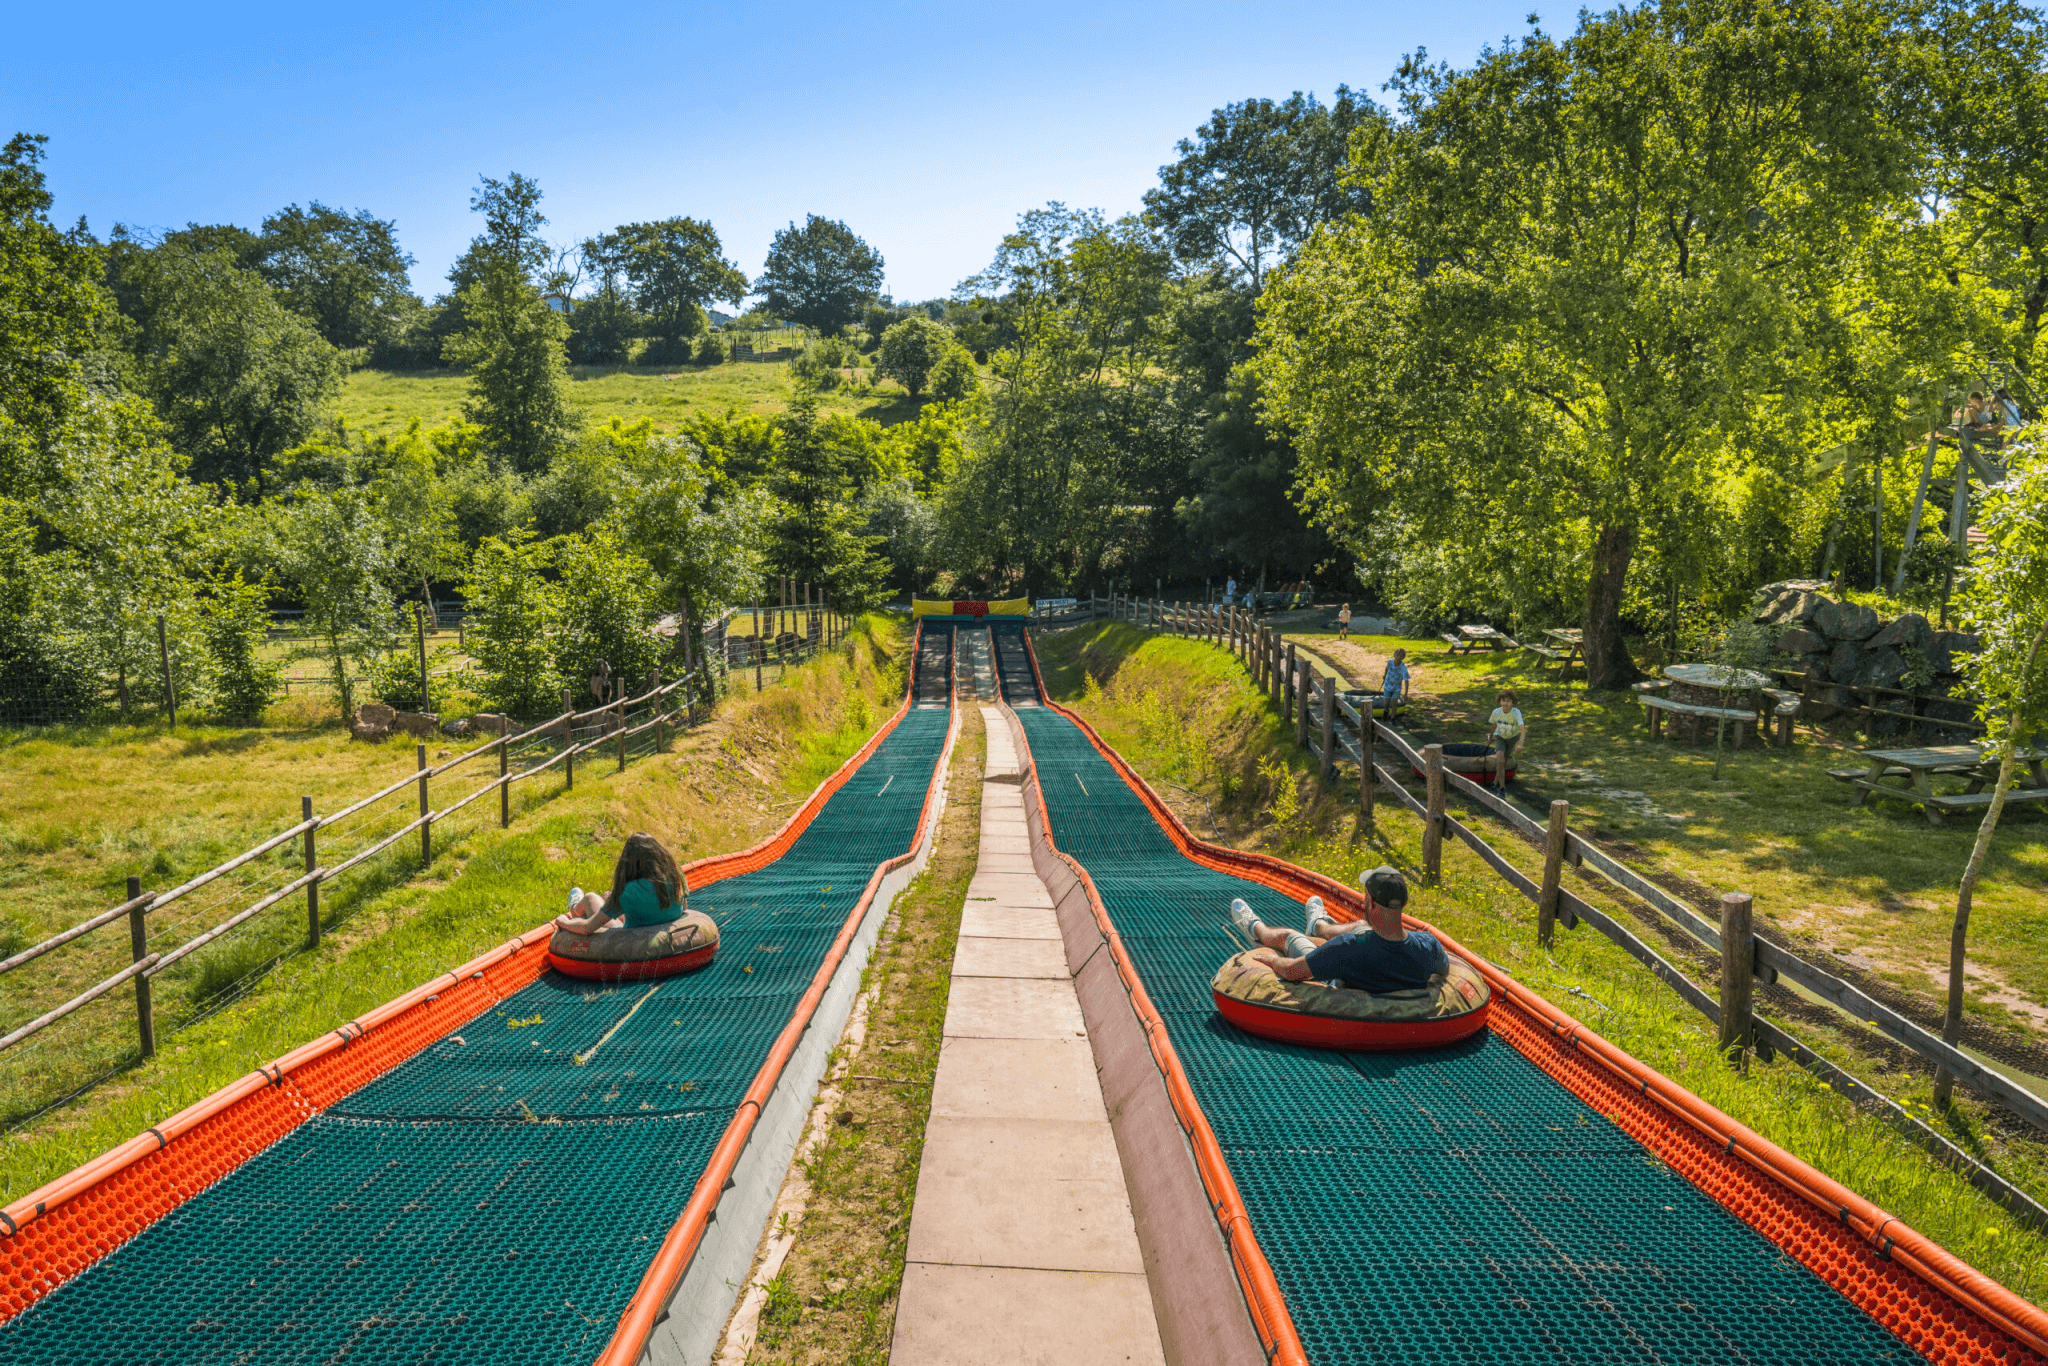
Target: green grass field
<point>382,402</point>
<point>1873,885</point>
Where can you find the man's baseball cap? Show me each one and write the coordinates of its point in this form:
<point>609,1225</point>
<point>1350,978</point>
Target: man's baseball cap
<point>1386,886</point>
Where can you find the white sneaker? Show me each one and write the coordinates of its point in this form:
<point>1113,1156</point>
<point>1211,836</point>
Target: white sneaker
<point>1242,917</point>
<point>1315,914</point>
<point>575,898</point>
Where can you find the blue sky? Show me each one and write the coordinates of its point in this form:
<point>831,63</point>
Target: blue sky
<point>927,128</point>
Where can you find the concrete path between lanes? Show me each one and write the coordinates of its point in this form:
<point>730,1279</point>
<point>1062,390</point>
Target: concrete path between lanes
<point>1022,1247</point>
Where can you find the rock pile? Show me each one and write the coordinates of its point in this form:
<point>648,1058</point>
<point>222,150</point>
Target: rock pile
<point>375,721</point>
<point>1849,645</point>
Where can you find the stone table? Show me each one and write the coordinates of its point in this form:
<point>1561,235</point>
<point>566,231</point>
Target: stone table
<point>1710,685</point>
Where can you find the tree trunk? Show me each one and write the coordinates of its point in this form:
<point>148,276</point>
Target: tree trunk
<point>1607,663</point>
<point>1959,936</point>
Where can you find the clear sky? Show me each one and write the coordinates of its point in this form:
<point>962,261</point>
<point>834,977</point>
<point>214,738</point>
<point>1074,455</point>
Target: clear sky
<point>927,128</point>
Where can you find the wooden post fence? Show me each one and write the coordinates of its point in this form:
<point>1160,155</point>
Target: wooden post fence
<point>1329,769</point>
<point>426,814</point>
<point>1368,777</point>
<point>1433,819</point>
<point>138,942</point>
<point>1553,871</point>
<point>568,740</point>
<point>759,652</point>
<point>504,781</point>
<point>1738,970</point>
<point>660,715</point>
<point>312,855</point>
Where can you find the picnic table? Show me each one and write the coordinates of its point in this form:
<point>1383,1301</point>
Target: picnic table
<point>1466,639</point>
<point>1918,767</point>
<point>1563,650</point>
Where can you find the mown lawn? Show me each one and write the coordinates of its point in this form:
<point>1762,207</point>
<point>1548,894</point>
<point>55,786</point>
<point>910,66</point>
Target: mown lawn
<point>1872,884</point>
<point>1184,714</point>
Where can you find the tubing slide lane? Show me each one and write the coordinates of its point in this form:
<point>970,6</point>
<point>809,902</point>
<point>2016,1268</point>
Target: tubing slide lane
<point>504,1164</point>
<point>1531,1194</point>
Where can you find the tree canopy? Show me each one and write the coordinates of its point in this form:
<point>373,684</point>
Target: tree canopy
<point>820,275</point>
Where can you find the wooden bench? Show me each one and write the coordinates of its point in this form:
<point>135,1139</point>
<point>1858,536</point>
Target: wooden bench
<point>1936,806</point>
<point>1655,707</point>
<point>1649,685</point>
<point>1783,714</point>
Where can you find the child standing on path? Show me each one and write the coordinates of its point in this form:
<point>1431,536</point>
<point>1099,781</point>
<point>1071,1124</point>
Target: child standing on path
<point>1509,731</point>
<point>1344,621</point>
<point>1394,686</point>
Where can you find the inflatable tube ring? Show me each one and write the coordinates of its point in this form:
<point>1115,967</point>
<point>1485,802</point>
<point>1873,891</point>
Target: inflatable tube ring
<point>1260,1001</point>
<point>1476,762</point>
<point>623,955</point>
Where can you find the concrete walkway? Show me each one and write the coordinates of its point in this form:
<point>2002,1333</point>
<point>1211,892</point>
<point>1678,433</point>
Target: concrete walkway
<point>1022,1249</point>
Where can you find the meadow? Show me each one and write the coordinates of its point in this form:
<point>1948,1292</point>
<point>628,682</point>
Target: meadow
<point>383,402</point>
<point>81,810</point>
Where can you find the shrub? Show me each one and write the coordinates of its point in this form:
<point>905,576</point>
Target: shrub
<point>711,349</point>
<point>234,625</point>
<point>395,680</point>
<point>954,377</point>
<point>512,609</point>
<point>607,604</point>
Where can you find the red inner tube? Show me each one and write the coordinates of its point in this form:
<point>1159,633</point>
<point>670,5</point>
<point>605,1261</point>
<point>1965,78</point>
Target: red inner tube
<point>1462,750</point>
<point>1357,1036</point>
<point>633,972</point>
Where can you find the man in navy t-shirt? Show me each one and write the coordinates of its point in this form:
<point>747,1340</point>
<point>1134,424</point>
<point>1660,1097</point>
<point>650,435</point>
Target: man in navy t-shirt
<point>1377,954</point>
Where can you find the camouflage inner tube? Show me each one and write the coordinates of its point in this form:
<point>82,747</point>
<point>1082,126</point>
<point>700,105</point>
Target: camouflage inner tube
<point>1252,996</point>
<point>650,951</point>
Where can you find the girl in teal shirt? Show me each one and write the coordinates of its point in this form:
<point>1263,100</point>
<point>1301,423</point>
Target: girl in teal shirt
<point>647,889</point>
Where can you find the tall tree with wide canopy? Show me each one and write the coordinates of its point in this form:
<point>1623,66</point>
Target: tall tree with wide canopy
<point>343,272</point>
<point>1582,288</point>
<point>820,275</point>
<point>1257,178</point>
<point>676,269</point>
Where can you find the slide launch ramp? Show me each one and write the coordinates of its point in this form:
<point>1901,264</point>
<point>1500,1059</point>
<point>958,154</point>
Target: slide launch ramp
<point>1531,1195</point>
<point>487,1169</point>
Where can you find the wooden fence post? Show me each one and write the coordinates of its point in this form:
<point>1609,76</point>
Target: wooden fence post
<point>163,650</point>
<point>1368,776</point>
<point>1738,969</point>
<point>759,651</point>
<point>138,940</point>
<point>312,852</point>
<point>1553,872</point>
<point>1329,727</point>
<point>426,825</point>
<point>660,715</point>
<point>1433,822</point>
<point>504,780</point>
<point>568,741</point>
<point>620,707</point>
<point>1301,693</point>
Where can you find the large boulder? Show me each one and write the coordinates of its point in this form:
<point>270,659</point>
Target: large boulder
<point>490,723</point>
<point>1944,646</point>
<point>1793,607</point>
<point>1845,663</point>
<point>1909,632</point>
<point>1882,668</point>
<point>421,725</point>
<point>372,722</point>
<point>1846,621</point>
<point>1800,641</point>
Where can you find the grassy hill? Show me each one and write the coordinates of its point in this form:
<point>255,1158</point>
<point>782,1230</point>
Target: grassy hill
<point>382,402</point>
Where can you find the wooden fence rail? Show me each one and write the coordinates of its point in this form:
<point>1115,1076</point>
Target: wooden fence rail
<point>1329,726</point>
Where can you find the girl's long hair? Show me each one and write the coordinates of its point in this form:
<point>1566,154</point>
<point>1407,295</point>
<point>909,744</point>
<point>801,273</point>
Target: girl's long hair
<point>644,857</point>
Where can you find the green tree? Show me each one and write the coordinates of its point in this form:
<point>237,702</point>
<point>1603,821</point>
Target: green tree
<point>331,549</point>
<point>519,375</point>
<point>1580,297</point>
<point>608,609</point>
<point>912,349</point>
<point>1258,178</point>
<point>514,609</point>
<point>820,275</point>
<point>676,269</point>
<point>45,674</point>
<point>603,325</point>
<point>954,377</point>
<point>236,376</point>
<point>234,623</point>
<point>51,309</point>
<point>2005,598</point>
<point>816,539</point>
<point>133,524</point>
<point>343,272</point>
<point>418,514</point>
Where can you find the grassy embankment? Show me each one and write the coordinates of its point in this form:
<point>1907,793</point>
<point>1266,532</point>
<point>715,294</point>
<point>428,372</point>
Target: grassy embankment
<point>382,402</point>
<point>1184,713</point>
<point>835,1296</point>
<point>1874,885</point>
<point>94,807</point>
